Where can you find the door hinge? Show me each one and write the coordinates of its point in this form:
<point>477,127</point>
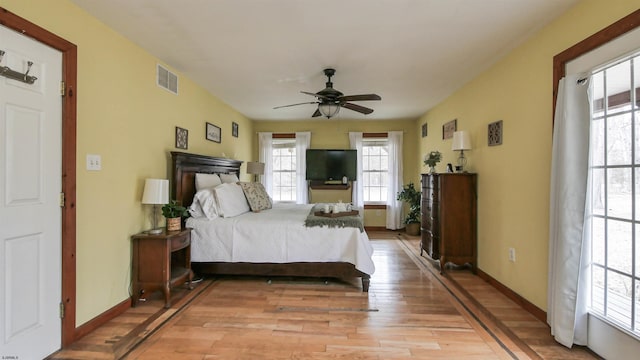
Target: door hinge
<point>61,310</point>
<point>61,199</point>
<point>62,88</point>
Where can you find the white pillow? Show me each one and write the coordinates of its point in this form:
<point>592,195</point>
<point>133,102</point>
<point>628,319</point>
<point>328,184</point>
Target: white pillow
<point>195,210</point>
<point>207,181</point>
<point>230,200</point>
<point>229,178</point>
<point>204,205</point>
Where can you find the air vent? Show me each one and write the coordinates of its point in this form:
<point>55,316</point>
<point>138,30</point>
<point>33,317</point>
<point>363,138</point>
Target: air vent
<point>167,79</point>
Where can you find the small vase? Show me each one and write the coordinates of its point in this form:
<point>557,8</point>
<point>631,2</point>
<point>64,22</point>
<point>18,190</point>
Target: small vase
<point>432,169</point>
<point>173,224</point>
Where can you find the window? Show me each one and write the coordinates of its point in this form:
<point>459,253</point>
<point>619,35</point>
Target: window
<point>615,194</point>
<point>284,170</point>
<point>375,170</point>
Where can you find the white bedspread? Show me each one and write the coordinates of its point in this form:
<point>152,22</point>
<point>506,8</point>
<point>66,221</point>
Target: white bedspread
<point>277,235</point>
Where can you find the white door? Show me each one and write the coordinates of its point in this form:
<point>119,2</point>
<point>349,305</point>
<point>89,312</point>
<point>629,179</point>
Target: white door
<point>30,213</point>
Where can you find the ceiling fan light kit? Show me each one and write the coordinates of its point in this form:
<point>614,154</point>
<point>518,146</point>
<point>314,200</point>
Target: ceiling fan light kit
<point>330,100</point>
<point>329,109</point>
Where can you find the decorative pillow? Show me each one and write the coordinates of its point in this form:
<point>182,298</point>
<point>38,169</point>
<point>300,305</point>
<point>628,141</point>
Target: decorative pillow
<point>256,195</point>
<point>230,200</point>
<point>207,181</point>
<point>229,178</point>
<point>204,205</point>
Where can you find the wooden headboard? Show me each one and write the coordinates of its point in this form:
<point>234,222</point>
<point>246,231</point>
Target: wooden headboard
<point>184,169</point>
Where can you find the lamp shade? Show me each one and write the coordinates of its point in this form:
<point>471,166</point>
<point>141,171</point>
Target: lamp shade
<point>329,109</point>
<point>156,191</point>
<point>255,168</point>
<point>461,141</point>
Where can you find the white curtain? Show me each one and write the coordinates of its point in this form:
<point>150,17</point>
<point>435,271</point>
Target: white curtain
<point>265,148</point>
<point>357,193</point>
<point>394,206</point>
<point>303,141</point>
<point>568,250</point>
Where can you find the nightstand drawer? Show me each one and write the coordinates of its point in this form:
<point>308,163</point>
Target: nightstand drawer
<point>181,241</point>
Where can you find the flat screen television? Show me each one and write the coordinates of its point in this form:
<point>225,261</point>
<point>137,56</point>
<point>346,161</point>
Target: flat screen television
<point>331,165</point>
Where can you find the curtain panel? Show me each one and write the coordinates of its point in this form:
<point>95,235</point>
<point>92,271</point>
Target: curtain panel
<point>303,141</point>
<point>265,149</point>
<point>357,197</point>
<point>568,250</point>
<point>394,206</point>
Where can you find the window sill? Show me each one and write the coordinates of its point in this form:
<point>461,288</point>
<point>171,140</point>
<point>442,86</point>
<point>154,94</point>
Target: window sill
<point>375,206</point>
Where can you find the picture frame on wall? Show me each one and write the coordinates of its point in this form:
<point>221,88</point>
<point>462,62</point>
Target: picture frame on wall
<point>182,138</point>
<point>448,129</point>
<point>213,133</point>
<point>424,130</point>
<point>234,129</point>
<point>494,133</point>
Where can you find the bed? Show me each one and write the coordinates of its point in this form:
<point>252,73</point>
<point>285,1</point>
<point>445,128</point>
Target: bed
<point>246,257</point>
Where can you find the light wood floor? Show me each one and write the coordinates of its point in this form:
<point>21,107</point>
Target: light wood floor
<point>410,312</point>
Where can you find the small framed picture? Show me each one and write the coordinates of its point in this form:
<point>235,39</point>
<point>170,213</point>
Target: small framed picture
<point>182,138</point>
<point>424,130</point>
<point>213,133</point>
<point>495,133</point>
<point>448,129</point>
<point>234,129</point>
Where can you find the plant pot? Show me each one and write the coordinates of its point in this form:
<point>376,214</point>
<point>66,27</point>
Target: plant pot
<point>413,229</point>
<point>174,224</point>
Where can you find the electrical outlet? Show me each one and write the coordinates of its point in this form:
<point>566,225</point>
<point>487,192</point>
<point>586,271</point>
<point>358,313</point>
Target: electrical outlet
<point>512,254</point>
<point>94,162</point>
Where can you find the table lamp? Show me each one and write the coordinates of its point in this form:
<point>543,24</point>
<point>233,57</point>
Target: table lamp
<point>156,192</point>
<point>461,142</point>
<point>255,168</point>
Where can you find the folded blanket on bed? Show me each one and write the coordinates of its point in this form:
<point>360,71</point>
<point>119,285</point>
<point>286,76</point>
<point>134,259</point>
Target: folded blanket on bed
<point>354,221</point>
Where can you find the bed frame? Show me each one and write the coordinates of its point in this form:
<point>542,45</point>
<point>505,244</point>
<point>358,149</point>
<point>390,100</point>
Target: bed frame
<point>185,166</point>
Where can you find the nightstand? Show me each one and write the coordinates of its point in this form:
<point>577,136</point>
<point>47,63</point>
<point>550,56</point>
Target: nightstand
<point>160,262</point>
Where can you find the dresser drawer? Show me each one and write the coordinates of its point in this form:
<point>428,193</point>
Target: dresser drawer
<point>180,241</point>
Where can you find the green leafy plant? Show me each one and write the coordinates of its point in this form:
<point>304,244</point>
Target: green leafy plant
<point>411,196</point>
<point>174,210</point>
<point>432,158</point>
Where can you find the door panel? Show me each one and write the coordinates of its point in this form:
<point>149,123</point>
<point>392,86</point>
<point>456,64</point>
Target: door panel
<point>23,310</point>
<point>23,156</point>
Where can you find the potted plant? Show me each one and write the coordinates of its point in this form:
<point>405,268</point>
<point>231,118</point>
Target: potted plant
<point>412,197</point>
<point>174,213</point>
<point>432,159</point>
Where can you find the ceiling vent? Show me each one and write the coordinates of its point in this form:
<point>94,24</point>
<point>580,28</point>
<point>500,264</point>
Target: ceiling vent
<point>167,79</point>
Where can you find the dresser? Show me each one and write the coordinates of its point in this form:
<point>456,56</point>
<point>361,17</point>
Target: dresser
<point>449,218</point>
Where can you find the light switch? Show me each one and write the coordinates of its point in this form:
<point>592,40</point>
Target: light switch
<point>94,162</point>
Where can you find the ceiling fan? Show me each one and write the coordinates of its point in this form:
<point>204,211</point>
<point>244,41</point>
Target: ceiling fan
<point>330,100</point>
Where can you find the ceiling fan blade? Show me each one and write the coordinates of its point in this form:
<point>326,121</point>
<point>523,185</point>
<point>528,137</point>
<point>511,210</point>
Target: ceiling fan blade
<point>316,113</point>
<point>358,108</point>
<point>363,97</point>
<point>304,103</point>
<point>316,95</point>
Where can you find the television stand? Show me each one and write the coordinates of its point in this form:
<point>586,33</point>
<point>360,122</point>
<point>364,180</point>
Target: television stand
<point>329,185</point>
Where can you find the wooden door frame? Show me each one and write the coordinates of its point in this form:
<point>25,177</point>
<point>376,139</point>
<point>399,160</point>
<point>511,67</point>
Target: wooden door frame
<point>69,76</point>
<point>611,32</point>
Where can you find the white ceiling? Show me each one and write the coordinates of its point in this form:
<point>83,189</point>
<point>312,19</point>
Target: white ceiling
<point>258,54</point>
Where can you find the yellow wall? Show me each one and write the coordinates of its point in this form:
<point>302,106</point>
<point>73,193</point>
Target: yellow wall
<point>128,120</point>
<point>334,134</point>
<point>513,179</point>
